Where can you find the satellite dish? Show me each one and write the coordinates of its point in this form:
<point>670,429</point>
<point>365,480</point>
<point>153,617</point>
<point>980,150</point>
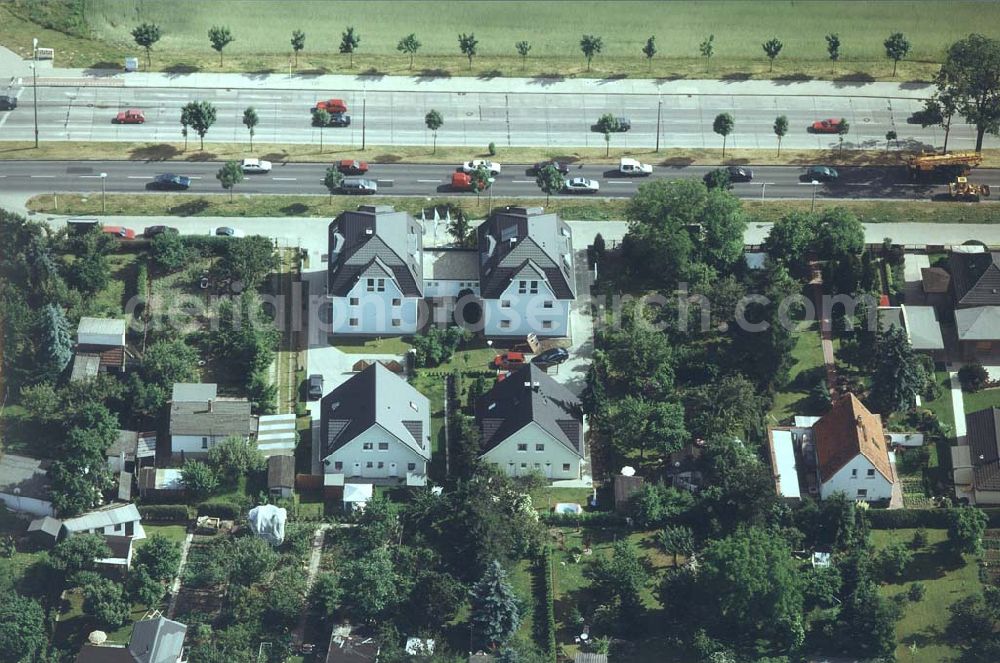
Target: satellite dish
<point>97,637</point>
<point>628,471</point>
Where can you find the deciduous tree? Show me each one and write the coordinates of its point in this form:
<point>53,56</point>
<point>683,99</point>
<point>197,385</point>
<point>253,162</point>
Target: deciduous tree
<point>619,580</point>
<point>105,601</point>
<point>966,526</point>
<point>220,37</point>
<point>145,35</point>
<point>970,76</point>
<point>199,479</point>
<point>375,571</point>
<point>897,47</point>
<point>833,47</point>
<point>550,181</point>
<point>409,45</point>
<point>200,116</point>
<point>523,48</point>
<point>842,128</point>
<point>649,50</point>
<point>434,121</point>
<point>249,260</point>
<point>229,175</point>
<point>234,457</point>
<point>707,49</point>
<point>23,633</point>
<point>677,540</point>
<point>298,43</point>
<point>250,121</point>
<point>638,424</point>
<point>349,42</point>
<point>591,45</point>
<point>79,553</point>
<point>772,48</point>
<point>321,119</point>
<point>780,129</point>
<point>332,181</point>
<point>159,556</point>
<point>467,44</point>
<point>723,125</point>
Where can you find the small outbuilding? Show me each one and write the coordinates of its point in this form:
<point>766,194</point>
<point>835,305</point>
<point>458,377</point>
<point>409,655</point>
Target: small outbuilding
<point>281,475</point>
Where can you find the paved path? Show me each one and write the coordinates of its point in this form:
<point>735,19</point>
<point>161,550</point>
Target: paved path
<point>298,635</point>
<point>175,586</point>
<point>958,406</point>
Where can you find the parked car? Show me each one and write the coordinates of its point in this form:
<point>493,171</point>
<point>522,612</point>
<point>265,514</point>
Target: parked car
<point>331,106</point>
<point>825,126</point>
<point>170,182</point>
<point>359,185</point>
<point>634,167</point>
<point>349,167</point>
<point>152,231</point>
<point>315,387</point>
<point>821,174</point>
<point>130,116</point>
<point>253,166</point>
<point>563,168</point>
<point>339,120</point>
<point>8,103</point>
<point>739,174</point>
<point>508,360</point>
<point>581,185</point>
<point>226,231</point>
<point>121,232</point>
<point>551,356</point>
<point>474,164</point>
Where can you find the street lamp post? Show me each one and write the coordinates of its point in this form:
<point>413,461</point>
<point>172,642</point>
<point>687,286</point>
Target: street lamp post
<point>659,110</point>
<point>812,208</point>
<point>490,211</point>
<point>364,111</point>
<point>104,207</point>
<point>34,82</point>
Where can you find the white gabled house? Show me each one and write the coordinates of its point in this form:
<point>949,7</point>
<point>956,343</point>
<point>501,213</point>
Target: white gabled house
<point>113,520</point>
<point>851,453</point>
<point>200,419</point>
<point>376,427</point>
<point>529,423</point>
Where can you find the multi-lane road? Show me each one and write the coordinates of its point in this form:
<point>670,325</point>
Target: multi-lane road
<point>75,111</point>
<point>30,177</point>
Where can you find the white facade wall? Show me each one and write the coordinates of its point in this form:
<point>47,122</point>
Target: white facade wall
<point>854,477</point>
<point>449,288</point>
<point>374,312</point>
<point>22,504</point>
<point>550,461</point>
<point>195,444</point>
<point>516,314</point>
<point>392,462</point>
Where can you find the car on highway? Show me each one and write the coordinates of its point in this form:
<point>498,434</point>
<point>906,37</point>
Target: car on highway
<point>254,166</point>
<point>633,167</point>
<point>830,126</point>
<point>561,166</point>
<point>339,120</point>
<point>119,232</point>
<point>351,167</point>
<point>462,182</point>
<point>331,106</point>
<point>226,231</point>
<point>739,174</point>
<point>170,182</point>
<point>130,116</point>
<point>552,356</point>
<point>358,185</point>
<point>581,185</point>
<point>475,164</point>
<point>821,174</point>
<point>8,103</point>
<point>152,231</point>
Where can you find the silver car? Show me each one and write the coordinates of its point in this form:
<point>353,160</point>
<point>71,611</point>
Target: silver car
<point>359,185</point>
<point>582,185</point>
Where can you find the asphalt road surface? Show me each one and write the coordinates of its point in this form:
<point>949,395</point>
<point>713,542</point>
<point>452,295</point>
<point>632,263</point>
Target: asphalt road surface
<point>30,177</point>
<point>540,119</point>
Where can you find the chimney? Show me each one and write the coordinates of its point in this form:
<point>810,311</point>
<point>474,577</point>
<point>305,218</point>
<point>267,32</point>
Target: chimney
<point>211,405</point>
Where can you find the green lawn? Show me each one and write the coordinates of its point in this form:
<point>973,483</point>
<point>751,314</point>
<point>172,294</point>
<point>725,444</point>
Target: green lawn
<point>262,32</point>
<point>807,371</point>
<point>176,533</point>
<point>73,626</point>
<point>941,407</point>
<point>980,400</point>
<point>391,345</point>
<point>546,497</point>
<point>946,580</point>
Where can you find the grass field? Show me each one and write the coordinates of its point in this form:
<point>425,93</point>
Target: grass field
<point>262,31</point>
<point>794,397</point>
<point>980,400</point>
<point>941,407</point>
<point>919,630</point>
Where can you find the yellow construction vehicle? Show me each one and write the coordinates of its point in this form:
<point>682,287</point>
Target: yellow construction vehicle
<point>955,164</point>
<point>962,189</point>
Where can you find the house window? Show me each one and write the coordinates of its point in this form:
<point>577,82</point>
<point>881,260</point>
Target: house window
<point>369,464</point>
<point>381,465</point>
<point>396,322</point>
<point>118,527</point>
<point>862,492</point>
<point>538,466</point>
<point>381,285</point>
<point>370,286</point>
<point>546,324</point>
<point>383,446</point>
<point>204,443</point>
<point>396,301</point>
<point>547,304</point>
<point>854,474</point>
<point>504,303</point>
<point>411,466</point>
<point>367,446</point>
<point>338,465</point>
<point>355,301</point>
<point>534,288</point>
<point>539,447</point>
<point>871,474</point>
<point>522,447</point>
<point>353,322</point>
<point>524,466</point>
<point>565,467</point>
<point>505,324</point>
<point>522,287</point>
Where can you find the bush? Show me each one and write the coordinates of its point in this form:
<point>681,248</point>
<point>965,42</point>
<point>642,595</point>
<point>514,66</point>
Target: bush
<point>919,539</point>
<point>973,377</point>
<point>165,513</point>
<point>916,591</point>
<point>545,619</point>
<point>224,510</point>
<point>908,518</point>
<point>585,519</point>
<point>492,149</point>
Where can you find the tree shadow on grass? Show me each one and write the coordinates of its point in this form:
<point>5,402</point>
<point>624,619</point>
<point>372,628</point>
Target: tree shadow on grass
<point>371,74</point>
<point>796,77</point>
<point>612,78</point>
<point>388,158</point>
<point>181,69</point>
<point>546,80</point>
<point>102,69</point>
<point>189,208</point>
<point>853,78</point>
<point>276,157</point>
<point>294,209</point>
<point>201,155</point>
<point>430,75</point>
<point>158,152</point>
<point>736,76</point>
<point>490,75</point>
<point>677,162</point>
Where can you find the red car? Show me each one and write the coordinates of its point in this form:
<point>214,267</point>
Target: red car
<point>826,126</point>
<point>461,182</point>
<point>121,232</point>
<point>332,106</point>
<point>508,361</point>
<point>130,116</point>
<point>349,167</point>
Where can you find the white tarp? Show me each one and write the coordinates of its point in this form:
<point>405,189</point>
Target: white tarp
<point>268,522</point>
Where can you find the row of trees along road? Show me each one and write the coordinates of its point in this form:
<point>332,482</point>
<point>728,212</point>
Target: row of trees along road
<point>897,46</point>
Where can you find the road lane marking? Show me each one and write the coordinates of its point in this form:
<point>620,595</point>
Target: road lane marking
<point>284,179</point>
<point>140,177</point>
<point>429,181</point>
<point>385,181</point>
<point>619,182</point>
<point>523,181</point>
<point>194,177</point>
<point>90,177</point>
<point>43,177</point>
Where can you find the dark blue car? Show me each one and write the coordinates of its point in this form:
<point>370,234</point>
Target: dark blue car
<point>170,182</point>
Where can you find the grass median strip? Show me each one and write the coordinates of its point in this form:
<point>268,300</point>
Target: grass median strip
<point>180,204</point>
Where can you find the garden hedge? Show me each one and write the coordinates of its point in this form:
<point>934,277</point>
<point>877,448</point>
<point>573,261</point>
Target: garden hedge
<point>914,518</point>
<point>224,510</point>
<point>585,519</point>
<point>166,513</point>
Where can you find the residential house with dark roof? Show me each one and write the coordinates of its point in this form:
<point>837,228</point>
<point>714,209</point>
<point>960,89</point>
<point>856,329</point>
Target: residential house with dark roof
<point>852,455</point>
<point>200,419</point>
<point>975,461</point>
<point>376,427</point>
<point>975,288</point>
<point>24,485</point>
<point>526,273</point>
<point>375,271</point>
<point>350,646</point>
<point>100,346</point>
<point>153,640</point>
<point>529,423</point>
